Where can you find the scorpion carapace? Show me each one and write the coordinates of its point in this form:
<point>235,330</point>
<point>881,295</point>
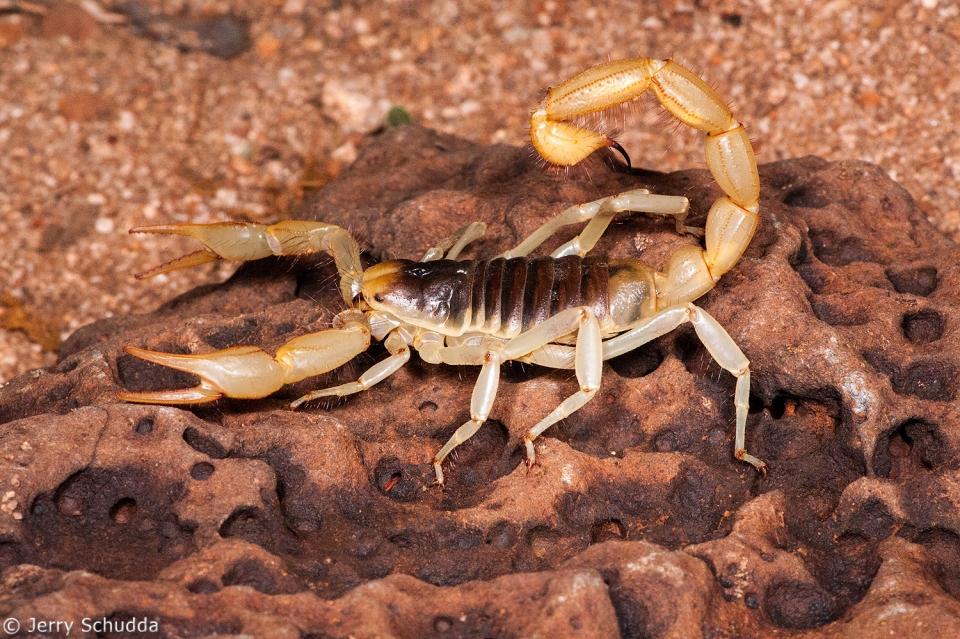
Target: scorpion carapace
<point>562,311</point>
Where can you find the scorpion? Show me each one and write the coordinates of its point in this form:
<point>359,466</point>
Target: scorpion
<point>566,311</point>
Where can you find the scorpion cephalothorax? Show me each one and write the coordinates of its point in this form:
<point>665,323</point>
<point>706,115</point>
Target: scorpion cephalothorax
<point>562,311</point>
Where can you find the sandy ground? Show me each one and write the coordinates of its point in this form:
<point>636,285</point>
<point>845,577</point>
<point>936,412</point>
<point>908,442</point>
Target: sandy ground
<point>104,126</point>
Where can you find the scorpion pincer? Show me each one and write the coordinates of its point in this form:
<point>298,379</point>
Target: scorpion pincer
<point>563,311</point>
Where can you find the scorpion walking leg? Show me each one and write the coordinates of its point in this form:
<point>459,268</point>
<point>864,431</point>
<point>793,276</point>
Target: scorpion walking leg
<point>455,243</point>
<point>588,366</point>
<point>588,362</point>
<point>598,214</point>
<point>480,404</point>
<point>399,355</point>
<point>249,372</point>
<point>552,356</point>
<point>717,342</point>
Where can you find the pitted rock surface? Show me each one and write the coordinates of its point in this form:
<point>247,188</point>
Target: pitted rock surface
<point>243,517</point>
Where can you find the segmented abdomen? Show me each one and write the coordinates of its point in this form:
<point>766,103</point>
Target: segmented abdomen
<point>511,296</point>
<point>504,297</point>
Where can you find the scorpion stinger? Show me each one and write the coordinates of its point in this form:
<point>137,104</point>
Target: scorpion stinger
<point>568,310</point>
<point>616,145</point>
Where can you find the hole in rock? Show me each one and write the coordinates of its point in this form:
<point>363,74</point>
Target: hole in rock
<point>70,496</point>
<point>848,567</point>
<point>253,574</point>
<point>204,586</point>
<point>545,544</point>
<point>202,471</point>
<point>806,196</point>
<point>836,251</point>
<point>639,362</point>
<point>781,404</point>
<point>476,463</point>
<point>916,446</point>
<point>919,281</point>
<point>503,534</point>
<point>243,523</point>
<point>124,511</point>
<point>69,364</point>
<point>204,443</point>
<point>793,426</point>
<point>144,425</point>
<point>607,529</point>
<point>932,380</point>
<point>70,505</point>
<point>442,624</point>
<point>799,605</point>
<point>41,507</point>
<point>923,326</point>
<point>733,19</point>
<point>401,481</point>
<point>944,546</point>
<point>837,310</point>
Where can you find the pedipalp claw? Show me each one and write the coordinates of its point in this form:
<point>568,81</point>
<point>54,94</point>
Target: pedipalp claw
<point>236,241</point>
<point>203,256</point>
<point>197,395</point>
<point>244,372</point>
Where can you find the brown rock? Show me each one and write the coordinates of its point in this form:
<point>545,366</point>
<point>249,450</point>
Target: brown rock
<point>245,517</point>
<point>67,19</point>
<point>10,33</point>
<point>562,604</point>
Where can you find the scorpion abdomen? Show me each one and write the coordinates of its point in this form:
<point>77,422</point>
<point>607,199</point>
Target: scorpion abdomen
<point>500,297</point>
<point>530,290</point>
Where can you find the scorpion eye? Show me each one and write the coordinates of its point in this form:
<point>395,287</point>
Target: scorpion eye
<point>418,270</point>
<point>378,297</point>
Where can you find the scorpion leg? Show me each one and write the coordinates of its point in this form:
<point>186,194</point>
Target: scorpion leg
<point>481,401</point>
<point>588,365</point>
<point>717,342</point>
<point>492,353</point>
<point>552,356</point>
<point>249,372</point>
<point>247,241</point>
<point>588,362</point>
<point>598,215</point>
<point>399,355</point>
<point>455,243</point>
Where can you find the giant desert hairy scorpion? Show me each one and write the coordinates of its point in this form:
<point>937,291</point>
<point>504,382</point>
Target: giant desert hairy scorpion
<point>563,311</point>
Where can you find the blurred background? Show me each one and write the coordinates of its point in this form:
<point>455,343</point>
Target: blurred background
<point>147,112</point>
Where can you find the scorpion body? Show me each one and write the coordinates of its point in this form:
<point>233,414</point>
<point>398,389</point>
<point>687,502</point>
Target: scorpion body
<point>506,297</point>
<point>563,311</point>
